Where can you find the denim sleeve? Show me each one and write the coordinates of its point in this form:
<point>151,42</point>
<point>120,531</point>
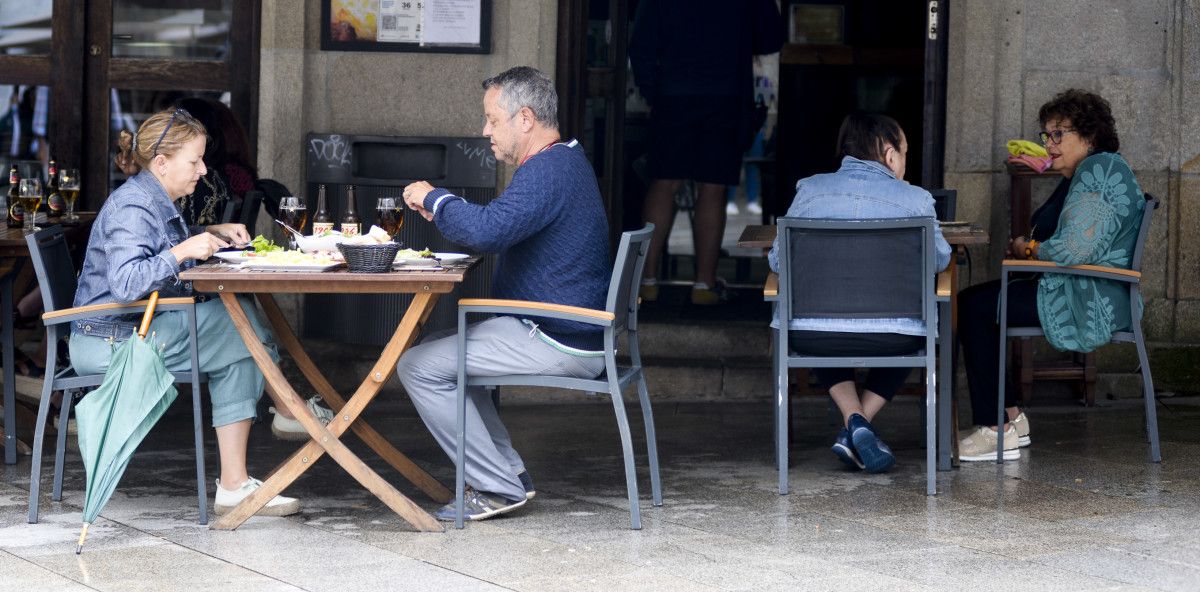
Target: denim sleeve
<point>136,267</point>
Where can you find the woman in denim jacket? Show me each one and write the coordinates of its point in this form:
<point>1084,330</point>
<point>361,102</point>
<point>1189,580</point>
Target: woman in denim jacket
<point>139,244</point>
<point>870,184</point>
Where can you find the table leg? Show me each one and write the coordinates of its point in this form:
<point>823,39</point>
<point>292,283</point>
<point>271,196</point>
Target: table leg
<point>325,438</point>
<point>400,462</point>
<point>10,378</point>
<point>945,384</point>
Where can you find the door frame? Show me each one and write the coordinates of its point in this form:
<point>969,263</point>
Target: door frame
<point>576,82</point>
<point>80,70</point>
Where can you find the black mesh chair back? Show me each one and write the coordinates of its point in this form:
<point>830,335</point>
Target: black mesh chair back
<point>54,269</point>
<point>626,277</point>
<point>1140,246</point>
<point>945,203</point>
<point>249,214</point>
<point>840,271</point>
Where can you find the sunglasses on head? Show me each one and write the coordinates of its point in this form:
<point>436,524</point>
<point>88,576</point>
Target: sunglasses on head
<point>180,113</point>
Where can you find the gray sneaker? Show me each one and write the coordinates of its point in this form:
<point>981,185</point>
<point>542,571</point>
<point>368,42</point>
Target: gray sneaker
<point>291,429</point>
<point>527,483</point>
<point>478,505</point>
<point>980,445</point>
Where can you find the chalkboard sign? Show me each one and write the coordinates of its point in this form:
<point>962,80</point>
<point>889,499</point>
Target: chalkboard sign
<point>384,160</point>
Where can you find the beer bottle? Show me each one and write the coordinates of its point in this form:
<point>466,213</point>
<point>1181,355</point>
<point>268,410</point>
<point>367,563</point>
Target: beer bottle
<point>54,200</point>
<point>350,224</point>
<point>322,221</point>
<point>16,211</point>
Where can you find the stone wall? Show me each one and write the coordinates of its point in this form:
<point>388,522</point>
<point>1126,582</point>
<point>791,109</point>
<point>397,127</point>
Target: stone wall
<point>1009,57</point>
<point>303,89</point>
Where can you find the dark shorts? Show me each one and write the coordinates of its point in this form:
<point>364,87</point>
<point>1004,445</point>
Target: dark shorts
<point>697,138</point>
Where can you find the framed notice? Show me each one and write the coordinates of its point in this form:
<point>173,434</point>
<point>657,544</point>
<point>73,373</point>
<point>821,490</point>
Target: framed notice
<point>441,26</point>
<point>821,24</point>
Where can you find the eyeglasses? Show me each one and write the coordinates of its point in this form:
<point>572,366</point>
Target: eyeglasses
<point>1055,136</point>
<point>182,114</point>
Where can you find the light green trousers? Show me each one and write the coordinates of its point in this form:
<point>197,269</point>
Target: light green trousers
<point>234,381</point>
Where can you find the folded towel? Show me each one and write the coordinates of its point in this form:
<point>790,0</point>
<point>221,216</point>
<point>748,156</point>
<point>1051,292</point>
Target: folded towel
<point>1025,148</point>
<point>1037,163</point>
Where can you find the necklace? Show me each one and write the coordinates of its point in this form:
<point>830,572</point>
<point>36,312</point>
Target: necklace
<point>544,148</point>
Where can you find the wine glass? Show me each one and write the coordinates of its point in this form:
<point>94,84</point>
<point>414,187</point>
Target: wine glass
<point>30,194</point>
<point>68,186</point>
<point>294,213</point>
<point>389,216</point>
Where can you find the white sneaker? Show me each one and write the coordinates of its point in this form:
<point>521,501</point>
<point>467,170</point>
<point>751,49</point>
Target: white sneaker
<point>981,445</point>
<point>290,429</point>
<point>1022,425</point>
<point>228,500</point>
<point>731,208</point>
<point>754,208</point>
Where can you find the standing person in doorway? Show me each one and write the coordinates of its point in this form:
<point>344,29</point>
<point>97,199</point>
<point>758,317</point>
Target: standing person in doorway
<point>692,62</point>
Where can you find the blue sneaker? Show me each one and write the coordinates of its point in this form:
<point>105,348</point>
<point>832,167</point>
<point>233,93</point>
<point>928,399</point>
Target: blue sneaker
<point>844,449</point>
<point>478,505</point>
<point>876,455</point>
<point>527,483</point>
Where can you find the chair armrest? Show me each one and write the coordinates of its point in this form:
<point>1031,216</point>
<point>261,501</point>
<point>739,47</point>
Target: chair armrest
<point>95,310</point>
<point>1039,266</point>
<point>542,309</point>
<point>943,283</point>
<point>771,287</point>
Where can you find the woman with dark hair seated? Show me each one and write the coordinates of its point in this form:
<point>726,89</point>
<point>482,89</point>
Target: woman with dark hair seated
<point>869,185</point>
<point>231,172</point>
<point>1093,217</point>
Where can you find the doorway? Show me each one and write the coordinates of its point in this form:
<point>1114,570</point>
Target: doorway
<point>94,67</point>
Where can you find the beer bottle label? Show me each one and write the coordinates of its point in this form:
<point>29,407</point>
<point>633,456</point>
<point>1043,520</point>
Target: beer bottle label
<point>321,227</point>
<point>16,212</point>
<point>55,204</point>
<point>350,229</point>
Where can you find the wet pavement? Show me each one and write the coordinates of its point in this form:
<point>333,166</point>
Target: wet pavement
<point>1081,510</point>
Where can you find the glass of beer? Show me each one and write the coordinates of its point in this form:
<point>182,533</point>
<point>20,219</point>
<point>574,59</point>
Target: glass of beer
<point>390,216</point>
<point>30,194</point>
<point>68,186</point>
<point>294,213</point>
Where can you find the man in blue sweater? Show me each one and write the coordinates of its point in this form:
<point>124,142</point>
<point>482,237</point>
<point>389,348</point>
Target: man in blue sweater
<point>551,234</point>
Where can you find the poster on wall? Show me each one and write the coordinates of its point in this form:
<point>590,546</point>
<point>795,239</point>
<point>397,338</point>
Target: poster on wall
<point>441,26</point>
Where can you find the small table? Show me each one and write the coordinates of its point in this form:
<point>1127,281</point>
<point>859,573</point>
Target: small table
<point>228,281</point>
<point>959,237</point>
<point>15,277</point>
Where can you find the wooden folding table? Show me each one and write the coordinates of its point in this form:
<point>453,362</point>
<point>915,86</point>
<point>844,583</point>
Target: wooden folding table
<point>229,281</point>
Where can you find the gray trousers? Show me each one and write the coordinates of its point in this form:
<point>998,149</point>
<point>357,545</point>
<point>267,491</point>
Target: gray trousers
<point>495,347</point>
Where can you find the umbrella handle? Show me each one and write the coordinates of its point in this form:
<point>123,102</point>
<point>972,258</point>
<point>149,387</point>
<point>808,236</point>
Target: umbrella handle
<point>150,306</point>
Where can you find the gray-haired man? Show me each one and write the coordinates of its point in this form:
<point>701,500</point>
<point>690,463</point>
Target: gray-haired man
<point>551,234</point>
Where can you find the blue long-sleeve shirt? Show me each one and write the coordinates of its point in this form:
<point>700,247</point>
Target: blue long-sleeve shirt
<point>551,233</point>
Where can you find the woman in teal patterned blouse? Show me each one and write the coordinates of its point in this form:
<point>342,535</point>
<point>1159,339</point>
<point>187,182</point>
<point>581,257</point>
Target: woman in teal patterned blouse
<point>1098,225</point>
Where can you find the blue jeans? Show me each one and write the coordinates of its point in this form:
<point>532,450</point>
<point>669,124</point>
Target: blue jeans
<point>234,381</point>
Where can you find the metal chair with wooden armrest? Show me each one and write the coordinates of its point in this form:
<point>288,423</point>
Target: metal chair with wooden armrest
<point>620,315</point>
<point>58,282</point>
<point>1131,277</point>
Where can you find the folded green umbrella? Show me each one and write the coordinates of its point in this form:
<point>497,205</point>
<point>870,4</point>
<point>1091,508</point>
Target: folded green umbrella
<point>115,418</point>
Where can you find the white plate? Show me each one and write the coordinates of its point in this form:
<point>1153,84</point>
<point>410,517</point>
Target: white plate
<point>450,257</point>
<point>231,256</point>
<point>438,259</point>
<point>265,266</point>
